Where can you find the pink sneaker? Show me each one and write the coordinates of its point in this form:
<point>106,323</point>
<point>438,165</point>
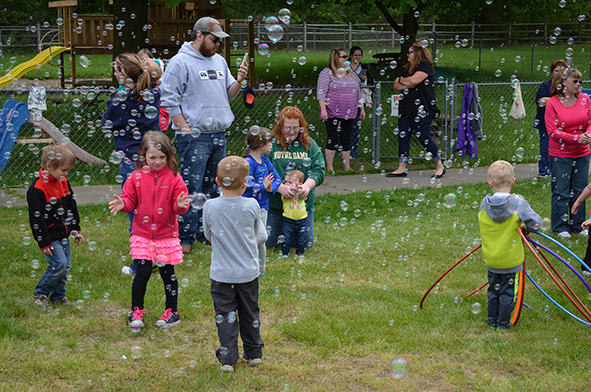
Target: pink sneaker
<point>168,319</point>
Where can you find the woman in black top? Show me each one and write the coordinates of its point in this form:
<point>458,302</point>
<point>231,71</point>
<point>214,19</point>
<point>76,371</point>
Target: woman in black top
<point>364,78</point>
<point>417,109</point>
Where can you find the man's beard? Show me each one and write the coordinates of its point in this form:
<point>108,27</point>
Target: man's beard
<point>207,52</point>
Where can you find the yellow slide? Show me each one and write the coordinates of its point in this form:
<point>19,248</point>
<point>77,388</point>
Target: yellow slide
<point>41,59</point>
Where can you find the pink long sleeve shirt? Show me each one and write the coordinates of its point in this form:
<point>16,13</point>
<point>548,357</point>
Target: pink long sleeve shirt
<point>342,95</point>
<point>566,124</point>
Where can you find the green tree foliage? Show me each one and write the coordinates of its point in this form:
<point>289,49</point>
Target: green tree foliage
<point>25,13</point>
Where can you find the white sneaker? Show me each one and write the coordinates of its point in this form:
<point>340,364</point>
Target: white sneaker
<point>586,273</point>
<point>127,271</point>
<point>227,368</point>
<point>564,234</point>
<point>252,361</point>
<point>583,232</point>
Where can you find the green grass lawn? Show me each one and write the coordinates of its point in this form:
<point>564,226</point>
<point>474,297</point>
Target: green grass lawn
<point>332,321</point>
<point>301,69</point>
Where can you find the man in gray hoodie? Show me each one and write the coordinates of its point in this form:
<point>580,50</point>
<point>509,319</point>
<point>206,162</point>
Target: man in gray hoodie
<point>196,90</point>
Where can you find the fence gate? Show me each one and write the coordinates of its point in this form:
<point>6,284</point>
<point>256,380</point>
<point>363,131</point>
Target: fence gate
<point>385,123</point>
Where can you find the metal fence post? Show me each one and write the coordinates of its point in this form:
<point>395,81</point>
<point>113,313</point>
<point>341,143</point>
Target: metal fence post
<point>305,36</point>
<point>376,124</point>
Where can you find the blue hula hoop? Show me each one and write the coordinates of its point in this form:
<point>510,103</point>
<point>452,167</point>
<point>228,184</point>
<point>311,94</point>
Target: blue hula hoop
<point>554,302</point>
<point>563,262</point>
<point>565,248</point>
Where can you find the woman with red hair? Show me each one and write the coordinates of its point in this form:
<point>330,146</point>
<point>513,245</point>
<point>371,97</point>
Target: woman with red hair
<point>294,149</point>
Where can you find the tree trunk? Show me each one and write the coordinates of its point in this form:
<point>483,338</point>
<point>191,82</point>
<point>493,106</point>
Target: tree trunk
<point>130,37</point>
<point>410,28</point>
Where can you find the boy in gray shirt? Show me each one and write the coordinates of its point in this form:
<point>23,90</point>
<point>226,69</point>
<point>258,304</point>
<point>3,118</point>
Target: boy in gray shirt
<point>231,222</point>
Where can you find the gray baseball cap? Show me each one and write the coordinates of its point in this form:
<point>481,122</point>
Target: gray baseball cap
<point>211,26</point>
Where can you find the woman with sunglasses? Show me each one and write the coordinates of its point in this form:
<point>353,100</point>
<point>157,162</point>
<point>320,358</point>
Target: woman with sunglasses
<point>339,97</point>
<point>417,109</point>
<point>568,119</point>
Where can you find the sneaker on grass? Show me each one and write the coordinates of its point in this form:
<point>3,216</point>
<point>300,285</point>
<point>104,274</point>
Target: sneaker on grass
<point>136,318</point>
<point>252,361</point>
<point>168,319</point>
<point>63,301</point>
<point>227,368</point>
<point>41,300</point>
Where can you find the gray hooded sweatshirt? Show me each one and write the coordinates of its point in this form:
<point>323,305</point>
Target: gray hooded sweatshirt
<point>197,86</point>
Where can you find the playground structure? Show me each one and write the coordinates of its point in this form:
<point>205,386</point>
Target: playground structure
<point>168,29</point>
<point>14,115</point>
<point>548,268</point>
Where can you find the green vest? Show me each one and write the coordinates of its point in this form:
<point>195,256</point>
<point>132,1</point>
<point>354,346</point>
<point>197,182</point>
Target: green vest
<point>502,247</point>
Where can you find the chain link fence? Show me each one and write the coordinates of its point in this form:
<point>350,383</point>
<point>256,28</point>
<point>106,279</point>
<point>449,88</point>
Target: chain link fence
<point>78,114</point>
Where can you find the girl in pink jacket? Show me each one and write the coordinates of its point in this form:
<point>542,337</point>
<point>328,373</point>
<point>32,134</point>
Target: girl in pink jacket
<point>156,193</point>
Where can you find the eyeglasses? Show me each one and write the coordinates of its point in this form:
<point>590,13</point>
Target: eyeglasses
<point>289,129</point>
<point>214,39</point>
<point>343,56</point>
<point>411,51</point>
<point>576,81</point>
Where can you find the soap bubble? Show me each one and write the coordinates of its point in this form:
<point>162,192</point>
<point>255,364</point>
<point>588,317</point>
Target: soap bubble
<point>151,112</point>
<point>557,31</point>
<point>198,200</point>
<point>275,33</point>
<point>285,15</point>
<point>476,308</point>
<point>498,73</point>
<point>92,245</point>
<point>398,367</point>
<point>84,61</point>
<point>302,60</point>
<point>270,22</point>
<point>449,200</point>
<point>263,49</point>
<point>136,352</point>
<point>569,51</point>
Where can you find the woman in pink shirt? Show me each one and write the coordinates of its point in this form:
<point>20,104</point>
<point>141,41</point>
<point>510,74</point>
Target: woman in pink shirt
<point>568,122</point>
<point>339,96</point>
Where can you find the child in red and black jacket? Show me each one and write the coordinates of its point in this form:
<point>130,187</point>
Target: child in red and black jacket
<point>53,216</point>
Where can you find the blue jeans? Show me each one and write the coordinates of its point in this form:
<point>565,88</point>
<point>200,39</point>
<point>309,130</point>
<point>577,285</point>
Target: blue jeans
<point>199,162</point>
<point>276,224</point>
<point>422,129</point>
<point>544,162</point>
<point>569,178</point>
<point>53,281</point>
<point>296,236</point>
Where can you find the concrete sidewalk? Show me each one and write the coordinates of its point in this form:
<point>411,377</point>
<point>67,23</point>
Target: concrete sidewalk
<point>98,194</point>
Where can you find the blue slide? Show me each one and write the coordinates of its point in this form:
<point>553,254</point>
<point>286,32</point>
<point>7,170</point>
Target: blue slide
<point>12,117</point>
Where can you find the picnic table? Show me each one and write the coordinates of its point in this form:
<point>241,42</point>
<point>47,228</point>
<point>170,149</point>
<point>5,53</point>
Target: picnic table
<point>384,59</point>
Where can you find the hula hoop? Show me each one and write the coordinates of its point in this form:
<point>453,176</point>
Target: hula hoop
<point>565,248</point>
<point>584,312</point>
<point>519,296</point>
<point>475,290</point>
<point>537,244</point>
<point>583,306</point>
<point>554,302</point>
<point>447,272</point>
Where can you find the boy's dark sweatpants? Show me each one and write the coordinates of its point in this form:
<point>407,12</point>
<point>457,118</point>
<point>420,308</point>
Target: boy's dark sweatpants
<point>239,301</point>
<point>501,295</point>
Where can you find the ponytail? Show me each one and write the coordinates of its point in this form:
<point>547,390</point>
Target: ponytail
<point>143,75</point>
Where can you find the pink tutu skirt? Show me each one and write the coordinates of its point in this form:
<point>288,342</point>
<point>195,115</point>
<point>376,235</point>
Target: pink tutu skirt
<point>161,252</point>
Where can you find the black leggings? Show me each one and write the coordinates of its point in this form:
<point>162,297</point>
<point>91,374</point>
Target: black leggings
<point>140,282</point>
<point>338,131</point>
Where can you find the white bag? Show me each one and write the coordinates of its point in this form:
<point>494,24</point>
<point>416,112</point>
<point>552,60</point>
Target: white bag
<point>517,110</point>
